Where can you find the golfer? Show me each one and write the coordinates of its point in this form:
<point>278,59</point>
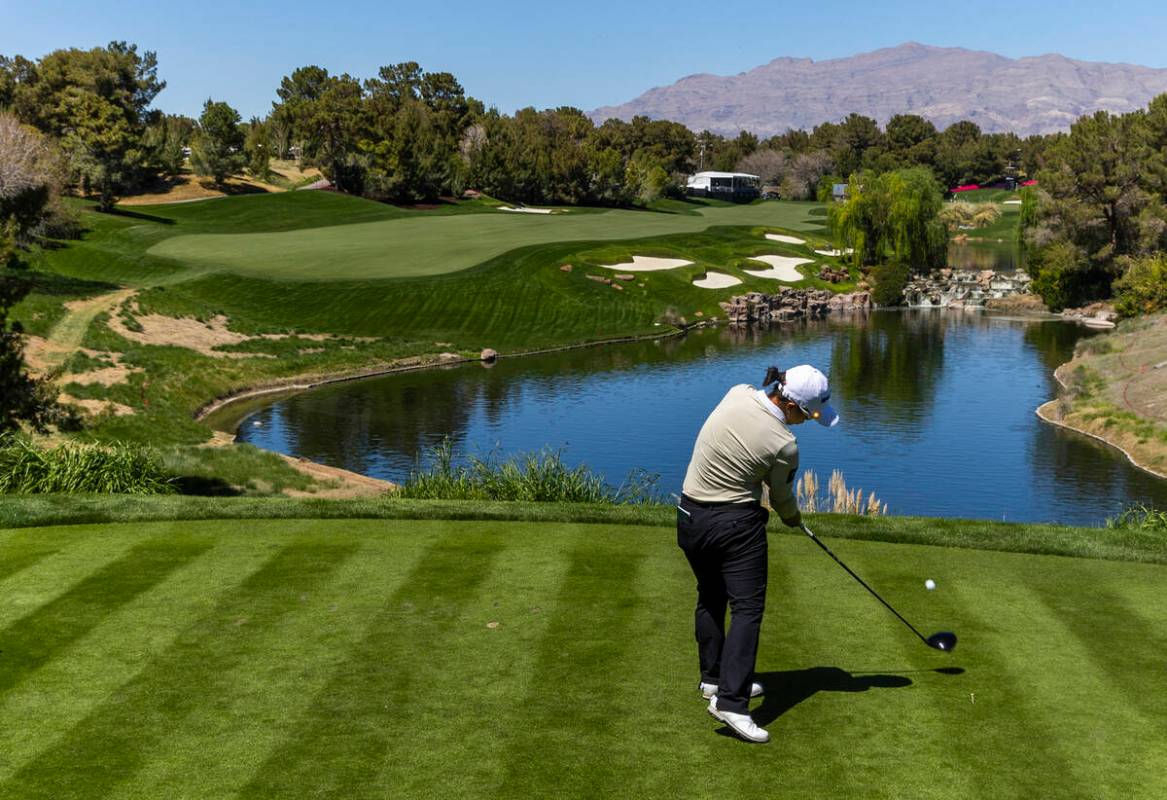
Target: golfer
<point>721,525</point>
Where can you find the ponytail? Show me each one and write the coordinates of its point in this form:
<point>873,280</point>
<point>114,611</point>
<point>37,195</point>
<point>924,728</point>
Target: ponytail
<point>774,375</point>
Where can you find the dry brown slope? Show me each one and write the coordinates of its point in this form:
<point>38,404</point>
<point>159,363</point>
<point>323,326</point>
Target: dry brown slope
<point>1115,390</point>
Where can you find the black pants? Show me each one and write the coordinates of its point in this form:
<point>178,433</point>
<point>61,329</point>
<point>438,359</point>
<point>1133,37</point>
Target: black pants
<point>726,547</point>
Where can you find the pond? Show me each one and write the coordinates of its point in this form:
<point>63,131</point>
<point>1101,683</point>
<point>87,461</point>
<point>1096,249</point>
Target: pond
<point>937,413</point>
<point>980,255</point>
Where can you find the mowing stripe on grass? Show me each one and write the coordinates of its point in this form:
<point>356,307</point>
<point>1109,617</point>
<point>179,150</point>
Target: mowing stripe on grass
<point>354,720</point>
<point>224,743</point>
<point>1007,711</point>
<point>50,701</point>
<point>78,557</point>
<point>31,641</point>
<point>483,673</point>
<point>654,701</point>
<point>13,559</point>
<point>111,744</point>
<point>579,682</point>
<point>1116,643</point>
<point>820,684</point>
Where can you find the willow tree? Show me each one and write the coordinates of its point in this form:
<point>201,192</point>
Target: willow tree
<point>892,222</point>
<point>893,216</point>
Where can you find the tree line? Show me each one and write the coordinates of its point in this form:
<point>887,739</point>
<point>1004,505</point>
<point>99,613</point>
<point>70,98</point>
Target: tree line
<point>408,135</point>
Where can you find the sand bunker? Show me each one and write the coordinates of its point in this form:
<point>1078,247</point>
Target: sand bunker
<point>717,280</point>
<point>835,253</point>
<point>781,237</point>
<point>782,268</point>
<point>525,210</point>
<point>648,264</point>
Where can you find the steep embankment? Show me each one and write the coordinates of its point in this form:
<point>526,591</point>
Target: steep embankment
<point>1115,389</point>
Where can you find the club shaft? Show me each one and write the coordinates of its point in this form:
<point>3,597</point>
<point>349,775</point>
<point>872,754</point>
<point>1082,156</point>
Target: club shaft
<point>862,583</point>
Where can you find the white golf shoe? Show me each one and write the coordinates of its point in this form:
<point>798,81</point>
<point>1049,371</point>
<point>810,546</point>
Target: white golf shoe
<point>710,689</point>
<point>741,724</point>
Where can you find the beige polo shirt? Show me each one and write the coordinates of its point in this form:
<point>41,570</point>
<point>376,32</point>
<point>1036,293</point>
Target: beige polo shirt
<point>744,442</point>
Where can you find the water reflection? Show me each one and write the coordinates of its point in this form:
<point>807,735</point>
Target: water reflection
<point>999,256</point>
<point>937,407</point>
<point>890,359</point>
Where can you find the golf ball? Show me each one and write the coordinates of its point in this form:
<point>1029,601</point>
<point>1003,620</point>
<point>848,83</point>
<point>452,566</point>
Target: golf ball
<point>929,584</point>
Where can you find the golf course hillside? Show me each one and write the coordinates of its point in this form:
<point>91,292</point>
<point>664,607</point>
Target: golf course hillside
<point>429,658</point>
<point>155,312</point>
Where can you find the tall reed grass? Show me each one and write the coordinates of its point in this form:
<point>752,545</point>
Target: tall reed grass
<point>1140,517</point>
<point>533,477</point>
<point>74,467</point>
<point>837,498</point>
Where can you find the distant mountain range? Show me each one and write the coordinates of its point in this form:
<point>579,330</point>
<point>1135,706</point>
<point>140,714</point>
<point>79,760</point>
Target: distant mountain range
<point>1040,94</point>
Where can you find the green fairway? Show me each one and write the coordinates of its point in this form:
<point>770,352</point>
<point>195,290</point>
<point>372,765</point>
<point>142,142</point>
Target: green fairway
<point>392,658</point>
<point>410,283</point>
<point>432,245</point>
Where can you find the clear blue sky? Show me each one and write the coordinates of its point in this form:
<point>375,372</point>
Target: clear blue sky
<point>513,53</point>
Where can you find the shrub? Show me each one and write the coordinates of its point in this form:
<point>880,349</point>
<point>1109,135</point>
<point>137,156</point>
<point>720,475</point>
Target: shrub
<point>1140,517</point>
<point>1142,289</point>
<point>890,280</point>
<point>955,214</point>
<point>72,467</point>
<point>986,215</point>
<point>1063,277</point>
<point>535,477</point>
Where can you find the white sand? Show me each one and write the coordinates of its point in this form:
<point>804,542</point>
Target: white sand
<point>835,253</point>
<point>1011,203</point>
<point>648,264</point>
<point>525,210</point>
<point>717,280</point>
<point>781,237</point>
<point>782,268</point>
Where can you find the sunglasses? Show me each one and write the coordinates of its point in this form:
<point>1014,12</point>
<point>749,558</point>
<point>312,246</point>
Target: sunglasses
<point>808,413</point>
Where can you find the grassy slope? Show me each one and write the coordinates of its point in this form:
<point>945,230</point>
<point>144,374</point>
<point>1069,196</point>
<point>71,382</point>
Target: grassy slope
<point>513,302</point>
<point>354,659</point>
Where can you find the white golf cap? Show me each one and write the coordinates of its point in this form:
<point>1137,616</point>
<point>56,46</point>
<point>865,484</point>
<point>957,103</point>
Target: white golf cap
<point>808,387</point>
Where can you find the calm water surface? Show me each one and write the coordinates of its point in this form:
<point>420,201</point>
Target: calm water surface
<point>937,413</point>
<point>999,256</point>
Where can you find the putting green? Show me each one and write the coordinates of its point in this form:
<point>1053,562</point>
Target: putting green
<point>421,245</point>
<point>365,658</point>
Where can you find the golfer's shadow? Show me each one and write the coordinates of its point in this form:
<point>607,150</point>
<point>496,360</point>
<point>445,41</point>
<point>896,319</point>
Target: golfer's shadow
<point>785,690</point>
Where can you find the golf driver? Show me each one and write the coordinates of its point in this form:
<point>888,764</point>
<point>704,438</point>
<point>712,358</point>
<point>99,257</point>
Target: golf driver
<point>944,640</point>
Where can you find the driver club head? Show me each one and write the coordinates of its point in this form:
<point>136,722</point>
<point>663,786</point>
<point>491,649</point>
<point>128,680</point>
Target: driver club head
<point>944,640</point>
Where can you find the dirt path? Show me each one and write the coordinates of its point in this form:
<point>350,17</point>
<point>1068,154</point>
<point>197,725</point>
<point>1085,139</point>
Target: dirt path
<point>46,355</point>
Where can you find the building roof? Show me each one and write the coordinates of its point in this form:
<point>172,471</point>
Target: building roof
<point>724,175</point>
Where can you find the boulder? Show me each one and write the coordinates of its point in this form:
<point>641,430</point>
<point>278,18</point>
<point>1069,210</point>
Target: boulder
<point>566,268</point>
<point>488,355</point>
<point>599,279</point>
<point>624,276</point>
